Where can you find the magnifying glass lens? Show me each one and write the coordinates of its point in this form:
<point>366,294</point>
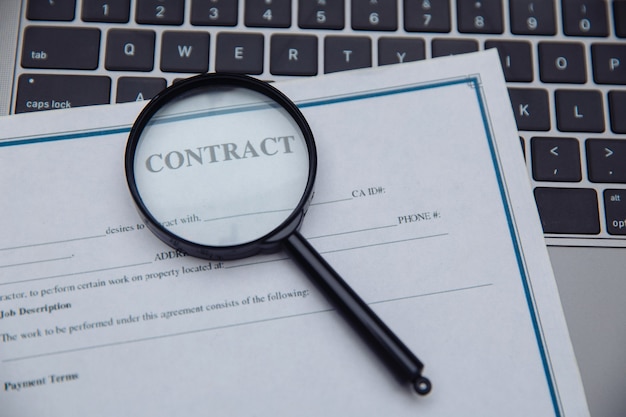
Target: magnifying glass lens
<point>221,165</point>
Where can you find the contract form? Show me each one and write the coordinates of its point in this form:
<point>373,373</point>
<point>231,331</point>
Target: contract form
<point>422,204</point>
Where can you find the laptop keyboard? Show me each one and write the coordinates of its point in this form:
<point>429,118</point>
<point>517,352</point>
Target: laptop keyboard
<point>564,62</point>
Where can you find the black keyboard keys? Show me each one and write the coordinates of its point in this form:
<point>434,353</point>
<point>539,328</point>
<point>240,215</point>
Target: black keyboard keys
<point>214,12</point>
<point>445,47</point>
<point>617,106</point>
<point>374,14</point>
<point>400,50</point>
<point>555,159</point>
<point>579,111</point>
<point>585,17</point>
<point>606,160</point>
<point>61,48</point>
<point>160,12</point>
<point>532,17</point>
<point>293,55</point>
<point>609,63</point>
<point>47,92</point>
<point>240,53</point>
<point>106,11</point>
<point>516,59</point>
<point>562,62</point>
<point>619,18</point>
<point>185,51</point>
<point>479,16</point>
<point>57,10</point>
<point>530,106</point>
<point>568,210</point>
<point>343,53</point>
<point>130,50</point>
<point>138,88</point>
<point>267,13</point>
<point>427,16</point>
<point>321,14</point>
<point>615,208</point>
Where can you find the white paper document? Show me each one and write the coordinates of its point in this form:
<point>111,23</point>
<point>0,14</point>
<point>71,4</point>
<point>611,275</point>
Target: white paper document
<point>422,204</point>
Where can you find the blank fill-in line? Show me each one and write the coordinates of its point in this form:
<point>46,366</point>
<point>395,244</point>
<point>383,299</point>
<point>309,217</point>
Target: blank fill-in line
<point>37,262</point>
<point>33,245</point>
<point>75,273</point>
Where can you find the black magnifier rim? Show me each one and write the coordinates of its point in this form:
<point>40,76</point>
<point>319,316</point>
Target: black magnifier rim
<point>271,241</point>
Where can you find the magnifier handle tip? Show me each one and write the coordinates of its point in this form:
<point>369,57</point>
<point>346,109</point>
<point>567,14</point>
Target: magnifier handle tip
<point>422,385</point>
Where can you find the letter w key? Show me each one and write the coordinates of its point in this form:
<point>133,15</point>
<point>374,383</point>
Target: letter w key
<point>185,52</point>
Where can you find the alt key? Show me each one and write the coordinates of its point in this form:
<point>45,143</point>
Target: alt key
<point>615,207</point>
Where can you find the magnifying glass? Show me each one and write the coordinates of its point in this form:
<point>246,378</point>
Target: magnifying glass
<point>222,166</point>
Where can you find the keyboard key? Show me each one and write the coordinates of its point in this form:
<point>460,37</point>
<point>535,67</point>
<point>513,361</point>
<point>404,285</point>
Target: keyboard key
<point>343,53</point>
<point>427,16</point>
<point>160,12</point>
<point>267,13</point>
<point>531,108</point>
<point>214,12</point>
<point>46,92</point>
<point>532,17</point>
<point>606,160</point>
<point>106,11</point>
<point>516,59</point>
<point>293,55</point>
<point>57,10</point>
<point>619,17</point>
<point>61,48</point>
<point>445,47</point>
<point>615,208</point>
<point>609,63</point>
<point>240,53</point>
<point>138,88</point>
<point>374,14</point>
<point>555,159</point>
<point>321,14</point>
<point>568,210</point>
<point>130,50</point>
<point>185,51</point>
<point>617,106</point>
<point>479,16</point>
<point>579,111</point>
<point>585,17</point>
<point>561,62</point>
<point>399,50</point>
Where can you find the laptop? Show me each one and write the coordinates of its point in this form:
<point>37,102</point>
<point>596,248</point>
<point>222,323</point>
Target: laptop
<point>564,62</point>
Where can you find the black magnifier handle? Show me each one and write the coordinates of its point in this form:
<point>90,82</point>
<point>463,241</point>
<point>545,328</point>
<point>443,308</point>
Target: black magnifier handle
<point>380,338</point>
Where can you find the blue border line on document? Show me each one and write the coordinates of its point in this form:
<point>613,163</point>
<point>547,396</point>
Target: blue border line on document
<point>518,251</point>
<point>471,80</point>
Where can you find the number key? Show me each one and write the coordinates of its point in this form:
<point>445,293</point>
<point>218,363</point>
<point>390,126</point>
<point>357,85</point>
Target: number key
<point>268,13</point>
<point>374,15</point>
<point>110,11</point>
<point>214,12</point>
<point>484,16</point>
<point>532,17</point>
<point>585,17</point>
<point>160,12</point>
<point>427,16</point>
<point>321,14</point>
